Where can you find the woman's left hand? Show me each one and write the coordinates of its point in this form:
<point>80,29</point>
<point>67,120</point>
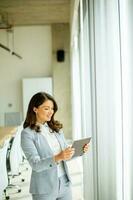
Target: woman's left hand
<point>86,148</point>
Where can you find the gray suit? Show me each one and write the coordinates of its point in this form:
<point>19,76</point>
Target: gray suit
<point>44,178</point>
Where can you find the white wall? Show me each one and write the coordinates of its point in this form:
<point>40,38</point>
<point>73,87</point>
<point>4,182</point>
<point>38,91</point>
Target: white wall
<point>61,76</point>
<point>34,44</point>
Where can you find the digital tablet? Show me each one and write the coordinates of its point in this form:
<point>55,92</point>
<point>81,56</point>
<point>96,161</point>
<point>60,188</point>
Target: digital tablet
<point>78,145</point>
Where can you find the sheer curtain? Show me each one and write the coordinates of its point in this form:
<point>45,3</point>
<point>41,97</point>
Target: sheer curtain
<point>105,80</point>
<point>101,93</point>
<point>75,76</point>
<point>126,30</point>
<point>109,132</point>
<point>110,50</point>
<point>104,61</point>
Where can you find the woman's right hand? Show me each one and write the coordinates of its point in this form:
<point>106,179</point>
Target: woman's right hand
<point>65,154</point>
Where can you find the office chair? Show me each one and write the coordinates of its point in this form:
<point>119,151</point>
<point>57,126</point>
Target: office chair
<point>16,153</point>
<point>3,167</point>
<point>12,163</point>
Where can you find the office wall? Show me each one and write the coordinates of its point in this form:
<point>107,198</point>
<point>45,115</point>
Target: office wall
<point>34,44</point>
<point>61,75</point>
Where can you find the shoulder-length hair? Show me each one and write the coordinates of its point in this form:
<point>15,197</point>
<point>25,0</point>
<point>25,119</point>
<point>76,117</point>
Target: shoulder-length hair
<point>37,100</point>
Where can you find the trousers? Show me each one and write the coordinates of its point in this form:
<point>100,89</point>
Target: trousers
<point>64,191</point>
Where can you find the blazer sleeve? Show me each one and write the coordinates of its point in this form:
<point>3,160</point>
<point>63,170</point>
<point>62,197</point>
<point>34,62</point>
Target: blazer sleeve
<point>28,146</point>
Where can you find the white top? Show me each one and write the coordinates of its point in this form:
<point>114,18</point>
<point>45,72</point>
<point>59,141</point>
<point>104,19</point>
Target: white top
<point>54,145</point>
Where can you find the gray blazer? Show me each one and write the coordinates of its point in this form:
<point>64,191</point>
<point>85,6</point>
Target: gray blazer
<point>44,178</point>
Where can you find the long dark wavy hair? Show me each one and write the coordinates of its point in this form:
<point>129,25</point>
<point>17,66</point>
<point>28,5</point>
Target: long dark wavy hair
<point>37,100</point>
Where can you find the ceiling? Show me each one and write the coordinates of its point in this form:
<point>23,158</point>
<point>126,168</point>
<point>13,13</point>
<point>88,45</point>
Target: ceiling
<point>34,12</point>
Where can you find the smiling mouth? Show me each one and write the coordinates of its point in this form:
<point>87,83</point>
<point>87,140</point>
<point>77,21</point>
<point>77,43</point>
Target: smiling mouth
<point>49,116</point>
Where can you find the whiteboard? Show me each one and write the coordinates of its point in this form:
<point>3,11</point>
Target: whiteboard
<point>33,85</point>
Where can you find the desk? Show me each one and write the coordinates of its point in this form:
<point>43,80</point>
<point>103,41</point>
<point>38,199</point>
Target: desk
<point>6,132</point>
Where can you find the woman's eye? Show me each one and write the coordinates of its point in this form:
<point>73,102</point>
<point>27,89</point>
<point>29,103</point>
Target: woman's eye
<point>49,109</point>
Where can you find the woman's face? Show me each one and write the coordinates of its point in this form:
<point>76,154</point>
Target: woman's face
<point>44,112</point>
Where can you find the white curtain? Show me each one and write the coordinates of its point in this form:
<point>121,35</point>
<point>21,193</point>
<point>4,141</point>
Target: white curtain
<point>106,81</point>
<point>111,55</point>
<point>75,76</point>
<point>126,30</point>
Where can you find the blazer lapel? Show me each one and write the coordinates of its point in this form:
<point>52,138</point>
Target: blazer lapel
<point>58,136</point>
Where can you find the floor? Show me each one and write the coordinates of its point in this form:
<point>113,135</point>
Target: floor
<point>75,169</point>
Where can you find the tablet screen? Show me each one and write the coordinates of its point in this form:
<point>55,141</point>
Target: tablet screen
<point>78,145</point>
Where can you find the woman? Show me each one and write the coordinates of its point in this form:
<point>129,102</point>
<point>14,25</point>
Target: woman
<point>46,150</point>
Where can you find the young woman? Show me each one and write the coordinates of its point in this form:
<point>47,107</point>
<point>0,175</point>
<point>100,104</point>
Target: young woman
<point>44,145</point>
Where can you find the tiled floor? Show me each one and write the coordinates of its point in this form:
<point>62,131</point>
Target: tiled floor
<point>75,169</point>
